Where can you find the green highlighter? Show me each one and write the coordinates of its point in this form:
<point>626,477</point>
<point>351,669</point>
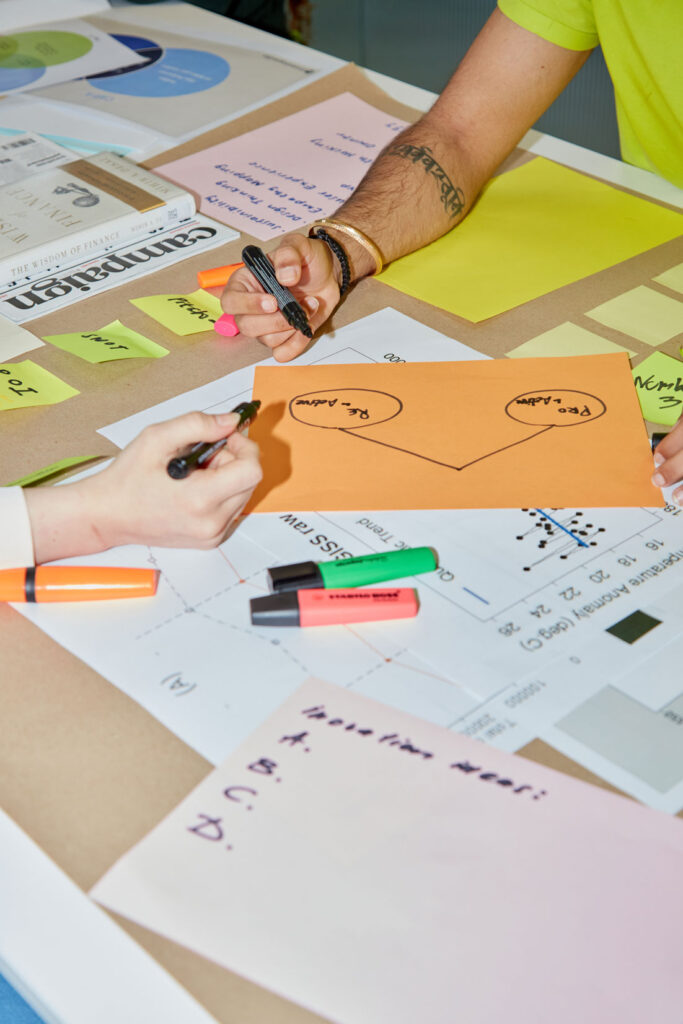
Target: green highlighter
<point>352,572</point>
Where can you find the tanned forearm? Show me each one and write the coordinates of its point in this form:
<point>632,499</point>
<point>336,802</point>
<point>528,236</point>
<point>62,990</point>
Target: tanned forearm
<point>417,190</point>
<point>429,177</point>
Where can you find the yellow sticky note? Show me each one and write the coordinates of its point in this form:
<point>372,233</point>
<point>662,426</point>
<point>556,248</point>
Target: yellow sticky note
<point>114,341</point>
<point>566,340</point>
<point>534,229</point>
<point>672,278</point>
<point>659,386</point>
<point>183,314</point>
<point>54,469</point>
<point>643,313</point>
<point>25,384</point>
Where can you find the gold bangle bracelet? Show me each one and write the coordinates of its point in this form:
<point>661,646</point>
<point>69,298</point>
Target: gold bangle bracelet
<point>358,236</point>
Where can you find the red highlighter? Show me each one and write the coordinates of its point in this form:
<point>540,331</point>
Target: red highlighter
<point>76,583</point>
<point>332,607</point>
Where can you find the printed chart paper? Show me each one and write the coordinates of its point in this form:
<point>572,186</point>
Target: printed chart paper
<point>372,867</point>
<point>519,242</point>
<point>491,434</point>
<point>178,85</point>
<point>512,634</point>
<point>288,173</point>
<point>57,52</point>
<point>16,15</point>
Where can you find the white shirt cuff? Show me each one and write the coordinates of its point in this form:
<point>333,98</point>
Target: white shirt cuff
<point>16,542</point>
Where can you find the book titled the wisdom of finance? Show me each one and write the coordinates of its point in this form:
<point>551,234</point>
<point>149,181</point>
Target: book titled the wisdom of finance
<point>82,208</point>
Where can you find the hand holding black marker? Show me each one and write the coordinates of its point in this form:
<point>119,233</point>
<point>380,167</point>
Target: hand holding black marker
<point>201,453</point>
<point>258,263</point>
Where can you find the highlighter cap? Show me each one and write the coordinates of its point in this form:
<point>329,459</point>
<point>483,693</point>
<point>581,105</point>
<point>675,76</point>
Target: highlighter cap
<point>275,610</point>
<point>298,576</point>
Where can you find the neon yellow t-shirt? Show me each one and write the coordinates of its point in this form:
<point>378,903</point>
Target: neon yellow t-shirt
<point>642,42</point>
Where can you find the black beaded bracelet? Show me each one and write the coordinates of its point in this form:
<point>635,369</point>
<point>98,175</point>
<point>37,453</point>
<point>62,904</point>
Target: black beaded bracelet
<point>338,251</point>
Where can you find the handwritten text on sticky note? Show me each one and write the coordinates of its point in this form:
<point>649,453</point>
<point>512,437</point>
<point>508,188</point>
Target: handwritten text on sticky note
<point>25,384</point>
<point>183,314</point>
<point>113,341</point>
<point>659,386</point>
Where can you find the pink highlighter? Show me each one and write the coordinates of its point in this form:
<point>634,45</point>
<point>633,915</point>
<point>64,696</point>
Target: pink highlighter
<point>226,326</point>
<point>331,607</point>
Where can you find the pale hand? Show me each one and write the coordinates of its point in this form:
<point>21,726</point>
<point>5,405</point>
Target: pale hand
<point>135,501</point>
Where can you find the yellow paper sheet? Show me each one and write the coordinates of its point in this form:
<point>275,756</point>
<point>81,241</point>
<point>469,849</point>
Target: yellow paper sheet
<point>566,340</point>
<point>642,313</point>
<point>54,469</point>
<point>495,433</point>
<point>26,384</point>
<point>672,278</point>
<point>114,341</point>
<point>183,314</point>
<point>659,386</point>
<point>534,229</point>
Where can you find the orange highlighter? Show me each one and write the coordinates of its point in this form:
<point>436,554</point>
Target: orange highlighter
<point>217,277</point>
<point>76,583</point>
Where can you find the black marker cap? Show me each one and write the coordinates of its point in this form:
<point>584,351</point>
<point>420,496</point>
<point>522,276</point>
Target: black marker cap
<point>298,576</point>
<point>656,438</point>
<point>275,610</point>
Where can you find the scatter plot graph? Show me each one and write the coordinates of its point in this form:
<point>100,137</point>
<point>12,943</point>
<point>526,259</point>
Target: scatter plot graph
<point>558,534</point>
<point>501,558</point>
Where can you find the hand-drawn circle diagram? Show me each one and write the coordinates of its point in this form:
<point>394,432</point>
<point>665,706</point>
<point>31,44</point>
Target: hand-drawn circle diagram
<point>344,408</point>
<point>351,409</point>
<point>555,408</point>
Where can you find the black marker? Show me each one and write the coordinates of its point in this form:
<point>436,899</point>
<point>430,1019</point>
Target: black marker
<point>203,451</point>
<point>656,438</point>
<point>262,269</point>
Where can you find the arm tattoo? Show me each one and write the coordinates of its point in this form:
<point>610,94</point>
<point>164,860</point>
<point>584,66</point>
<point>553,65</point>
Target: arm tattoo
<point>452,197</point>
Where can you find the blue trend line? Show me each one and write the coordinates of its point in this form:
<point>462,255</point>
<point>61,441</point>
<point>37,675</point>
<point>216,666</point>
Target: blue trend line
<point>581,543</point>
<point>476,595</point>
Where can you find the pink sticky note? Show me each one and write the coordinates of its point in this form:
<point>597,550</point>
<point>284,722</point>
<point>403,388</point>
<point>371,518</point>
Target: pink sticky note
<point>226,326</point>
<point>286,174</point>
<point>375,867</point>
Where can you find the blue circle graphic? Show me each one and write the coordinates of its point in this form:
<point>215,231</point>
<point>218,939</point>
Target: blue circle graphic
<point>15,78</point>
<point>143,47</point>
<point>178,72</point>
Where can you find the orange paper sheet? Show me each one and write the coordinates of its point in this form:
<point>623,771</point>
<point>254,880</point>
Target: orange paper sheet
<point>519,433</point>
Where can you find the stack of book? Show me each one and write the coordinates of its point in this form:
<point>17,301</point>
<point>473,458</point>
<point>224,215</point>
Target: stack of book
<point>80,210</point>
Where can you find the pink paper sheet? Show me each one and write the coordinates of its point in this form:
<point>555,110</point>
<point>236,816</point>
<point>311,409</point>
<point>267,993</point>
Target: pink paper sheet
<point>376,868</point>
<point>289,173</point>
